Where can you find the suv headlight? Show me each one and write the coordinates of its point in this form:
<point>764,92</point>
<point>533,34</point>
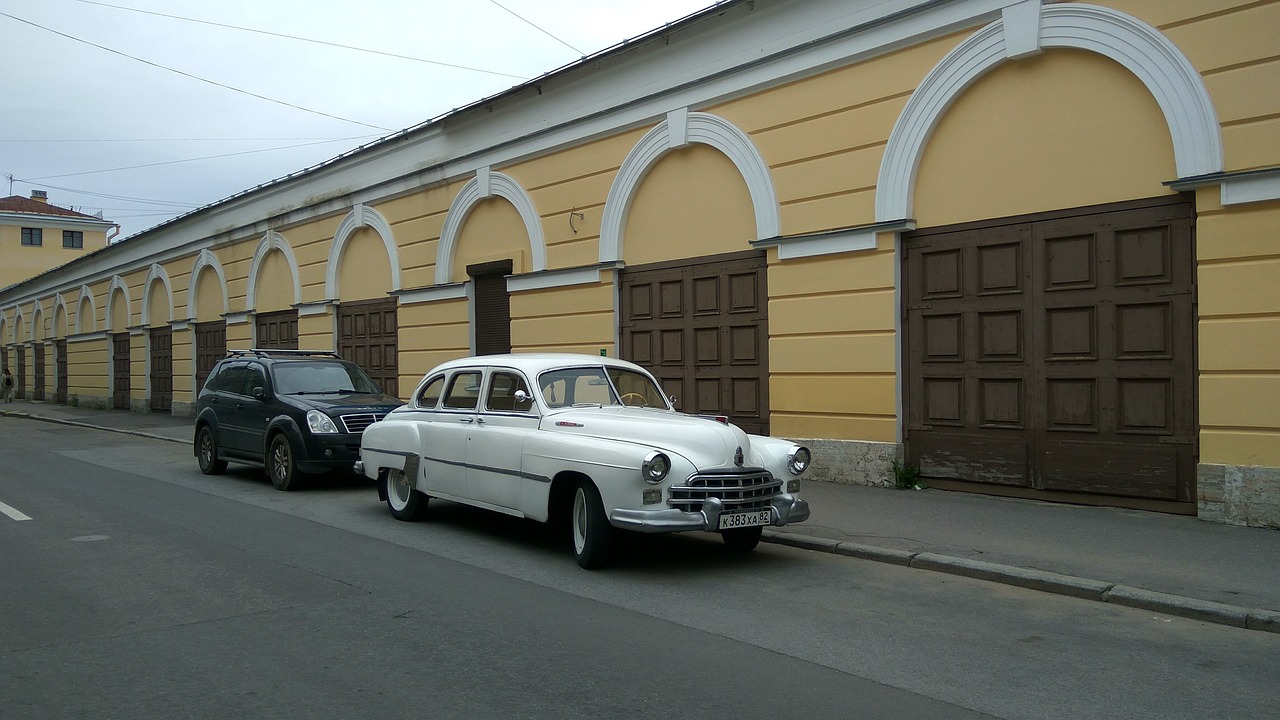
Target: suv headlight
<point>655,467</point>
<point>798,460</point>
<point>319,423</point>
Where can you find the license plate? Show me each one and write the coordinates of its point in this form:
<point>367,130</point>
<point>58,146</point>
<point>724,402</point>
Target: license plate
<point>728,521</point>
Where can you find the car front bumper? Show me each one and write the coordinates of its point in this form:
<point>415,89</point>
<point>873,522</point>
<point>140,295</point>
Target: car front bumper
<point>327,452</point>
<point>785,508</point>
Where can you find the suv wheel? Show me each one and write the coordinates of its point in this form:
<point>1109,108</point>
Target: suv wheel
<point>281,465</point>
<point>207,452</point>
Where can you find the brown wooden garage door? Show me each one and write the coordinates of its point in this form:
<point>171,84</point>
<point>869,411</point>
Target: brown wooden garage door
<point>367,337</point>
<point>211,346</point>
<point>60,359</point>
<point>37,392</point>
<point>277,330</point>
<point>1056,353</point>
<point>161,369</point>
<point>121,372</point>
<point>701,327</point>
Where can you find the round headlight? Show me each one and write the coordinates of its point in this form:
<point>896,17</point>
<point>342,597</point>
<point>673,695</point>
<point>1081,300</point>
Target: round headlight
<point>798,460</point>
<point>655,467</point>
<point>318,422</point>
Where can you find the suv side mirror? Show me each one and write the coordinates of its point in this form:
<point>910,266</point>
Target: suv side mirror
<point>259,393</point>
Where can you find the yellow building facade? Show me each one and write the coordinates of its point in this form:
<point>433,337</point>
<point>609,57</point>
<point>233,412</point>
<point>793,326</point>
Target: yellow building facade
<point>1026,247</point>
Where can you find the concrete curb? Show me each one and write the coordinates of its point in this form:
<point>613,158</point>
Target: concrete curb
<point>1044,581</point>
<point>75,423</point>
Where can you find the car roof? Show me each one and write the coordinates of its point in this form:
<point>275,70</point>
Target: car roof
<point>534,363</point>
<point>272,356</point>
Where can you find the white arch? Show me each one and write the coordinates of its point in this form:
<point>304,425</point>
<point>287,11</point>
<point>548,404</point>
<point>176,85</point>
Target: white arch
<point>37,320</point>
<point>487,184</point>
<point>118,283</point>
<point>17,324</point>
<point>60,303</point>
<point>271,241</point>
<point>206,259</point>
<point>155,273</point>
<point>682,128</point>
<point>1142,49</point>
<point>360,216</point>
<point>86,294</point>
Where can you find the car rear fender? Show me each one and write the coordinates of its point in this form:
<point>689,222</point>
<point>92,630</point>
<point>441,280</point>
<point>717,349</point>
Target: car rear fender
<point>390,444</point>
<point>207,418</point>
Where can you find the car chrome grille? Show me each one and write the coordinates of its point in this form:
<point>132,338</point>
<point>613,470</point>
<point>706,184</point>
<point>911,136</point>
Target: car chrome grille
<point>737,490</point>
<point>358,422</point>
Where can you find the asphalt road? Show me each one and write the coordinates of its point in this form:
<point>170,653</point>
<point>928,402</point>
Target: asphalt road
<point>140,588</point>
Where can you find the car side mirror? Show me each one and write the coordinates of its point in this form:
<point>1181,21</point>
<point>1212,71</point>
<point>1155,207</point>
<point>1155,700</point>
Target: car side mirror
<point>259,393</point>
<point>524,400</point>
<point>674,400</point>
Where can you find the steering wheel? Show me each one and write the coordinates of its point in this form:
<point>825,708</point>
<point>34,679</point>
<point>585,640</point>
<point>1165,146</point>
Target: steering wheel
<point>635,395</point>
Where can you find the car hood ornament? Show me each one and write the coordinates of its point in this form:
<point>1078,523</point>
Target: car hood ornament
<point>737,457</point>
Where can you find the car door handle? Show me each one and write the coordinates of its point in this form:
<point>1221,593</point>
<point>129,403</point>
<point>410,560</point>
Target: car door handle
<point>467,419</point>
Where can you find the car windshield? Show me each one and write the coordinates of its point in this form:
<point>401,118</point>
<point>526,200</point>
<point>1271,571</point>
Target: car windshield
<point>303,377</point>
<point>599,386</point>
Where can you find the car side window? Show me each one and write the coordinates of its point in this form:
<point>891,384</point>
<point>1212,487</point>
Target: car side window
<point>231,380</point>
<point>502,393</point>
<point>254,378</point>
<point>463,392</point>
<point>430,395</point>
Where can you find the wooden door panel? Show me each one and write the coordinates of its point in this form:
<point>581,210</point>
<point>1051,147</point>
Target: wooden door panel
<point>211,346</point>
<point>701,329</point>
<point>277,330</point>
<point>1062,344</point>
<point>60,359</point>
<point>368,337</point>
<point>161,369</point>
<point>37,392</point>
<point>120,371</point>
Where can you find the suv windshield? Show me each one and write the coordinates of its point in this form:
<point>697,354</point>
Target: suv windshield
<point>599,386</point>
<point>304,377</point>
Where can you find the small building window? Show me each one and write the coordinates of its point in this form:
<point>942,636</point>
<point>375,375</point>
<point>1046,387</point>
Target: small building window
<point>32,236</point>
<point>72,239</point>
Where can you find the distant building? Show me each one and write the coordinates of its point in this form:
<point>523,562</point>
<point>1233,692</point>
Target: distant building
<point>36,236</point>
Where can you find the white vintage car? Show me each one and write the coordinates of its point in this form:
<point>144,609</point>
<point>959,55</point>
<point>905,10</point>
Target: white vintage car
<point>590,439</point>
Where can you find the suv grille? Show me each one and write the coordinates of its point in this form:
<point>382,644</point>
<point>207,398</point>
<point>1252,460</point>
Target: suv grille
<point>737,490</point>
<point>358,422</point>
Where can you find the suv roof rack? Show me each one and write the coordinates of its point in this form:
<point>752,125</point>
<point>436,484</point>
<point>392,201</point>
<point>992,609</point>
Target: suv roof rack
<point>275,352</point>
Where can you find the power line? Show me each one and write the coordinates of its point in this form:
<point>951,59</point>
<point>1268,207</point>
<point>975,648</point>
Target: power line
<point>108,196</point>
<point>194,77</point>
<point>309,40</point>
<point>535,27</point>
<point>175,162</point>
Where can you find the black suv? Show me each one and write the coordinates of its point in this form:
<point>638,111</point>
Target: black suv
<point>295,411</point>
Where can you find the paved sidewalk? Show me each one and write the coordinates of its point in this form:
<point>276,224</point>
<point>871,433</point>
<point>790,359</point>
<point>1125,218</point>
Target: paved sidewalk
<point>1168,564</point>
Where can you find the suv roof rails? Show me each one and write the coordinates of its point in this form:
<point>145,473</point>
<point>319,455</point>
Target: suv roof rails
<point>274,352</point>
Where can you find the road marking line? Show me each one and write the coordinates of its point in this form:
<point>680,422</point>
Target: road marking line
<point>13,513</point>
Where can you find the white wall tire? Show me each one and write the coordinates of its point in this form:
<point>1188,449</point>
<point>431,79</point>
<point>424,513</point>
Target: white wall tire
<point>403,500</point>
<point>592,533</point>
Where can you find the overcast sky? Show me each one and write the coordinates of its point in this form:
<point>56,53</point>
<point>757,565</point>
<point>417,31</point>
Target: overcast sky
<point>75,111</point>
